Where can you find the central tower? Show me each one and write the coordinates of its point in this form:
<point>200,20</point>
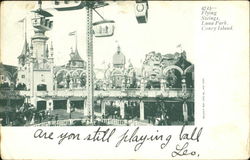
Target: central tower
<point>41,60</point>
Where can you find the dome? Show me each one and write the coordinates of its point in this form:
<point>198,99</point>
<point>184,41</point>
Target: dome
<point>119,58</point>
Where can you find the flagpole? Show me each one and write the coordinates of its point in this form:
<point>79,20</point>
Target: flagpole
<point>25,29</point>
<point>76,39</point>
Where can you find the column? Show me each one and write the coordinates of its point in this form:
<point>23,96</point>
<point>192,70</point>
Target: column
<point>71,83</point>
<point>141,110</point>
<point>163,83</point>
<point>65,81</point>
<point>103,105</point>
<point>183,84</point>
<point>185,111</point>
<point>68,106</point>
<point>122,109</point>
<point>49,105</point>
<point>123,84</point>
<point>78,82</point>
<point>85,109</point>
<point>31,79</point>
<point>105,86</point>
<point>142,85</point>
<point>110,84</point>
<point>55,83</point>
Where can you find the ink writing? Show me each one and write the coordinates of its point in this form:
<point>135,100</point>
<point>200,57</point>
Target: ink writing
<point>140,139</point>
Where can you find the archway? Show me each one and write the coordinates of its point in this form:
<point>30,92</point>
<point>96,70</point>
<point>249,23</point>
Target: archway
<point>60,104</point>
<point>63,78</point>
<point>173,76</point>
<point>41,105</point>
<point>116,78</point>
<point>131,79</point>
<point>189,72</point>
<point>21,86</point>
<point>132,110</point>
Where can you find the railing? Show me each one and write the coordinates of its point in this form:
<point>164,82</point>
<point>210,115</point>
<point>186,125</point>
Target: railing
<point>138,123</point>
<point>66,122</point>
<point>113,122</point>
<point>7,93</point>
<point>168,92</point>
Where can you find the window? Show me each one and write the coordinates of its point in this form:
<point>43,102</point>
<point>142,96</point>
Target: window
<point>41,87</point>
<point>23,76</point>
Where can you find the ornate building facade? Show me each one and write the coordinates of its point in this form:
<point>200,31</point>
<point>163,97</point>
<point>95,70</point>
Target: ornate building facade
<point>162,87</point>
<point>118,75</point>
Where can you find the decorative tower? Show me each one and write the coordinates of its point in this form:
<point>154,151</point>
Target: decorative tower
<point>41,58</point>
<point>23,64</point>
<point>117,76</point>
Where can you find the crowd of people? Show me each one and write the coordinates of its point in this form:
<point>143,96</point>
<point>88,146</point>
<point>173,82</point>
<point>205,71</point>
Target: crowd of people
<point>26,114</point>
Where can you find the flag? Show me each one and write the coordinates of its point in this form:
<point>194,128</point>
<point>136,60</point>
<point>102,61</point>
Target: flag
<point>22,20</point>
<point>178,46</point>
<point>72,33</point>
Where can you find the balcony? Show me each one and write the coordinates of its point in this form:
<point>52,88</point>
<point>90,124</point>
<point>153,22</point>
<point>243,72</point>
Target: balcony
<point>170,93</point>
<point>42,24</point>
<point>113,93</point>
<point>9,94</point>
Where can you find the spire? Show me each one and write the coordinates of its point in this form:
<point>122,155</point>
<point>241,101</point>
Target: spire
<point>51,46</point>
<point>25,46</point>
<point>47,51</point>
<point>118,49</point>
<point>76,52</point>
<point>77,56</point>
<point>74,56</point>
<point>28,48</point>
<point>179,48</point>
<point>31,48</point>
<point>24,50</point>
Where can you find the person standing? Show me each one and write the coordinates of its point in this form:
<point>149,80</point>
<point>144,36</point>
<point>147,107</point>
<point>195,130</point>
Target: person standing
<point>56,118</point>
<point>33,119</point>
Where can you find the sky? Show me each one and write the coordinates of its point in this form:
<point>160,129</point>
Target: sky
<point>169,24</point>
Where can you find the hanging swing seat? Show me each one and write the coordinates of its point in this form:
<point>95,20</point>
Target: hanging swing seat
<point>104,28</point>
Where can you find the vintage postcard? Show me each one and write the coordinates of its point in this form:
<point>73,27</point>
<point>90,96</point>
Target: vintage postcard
<point>124,79</point>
